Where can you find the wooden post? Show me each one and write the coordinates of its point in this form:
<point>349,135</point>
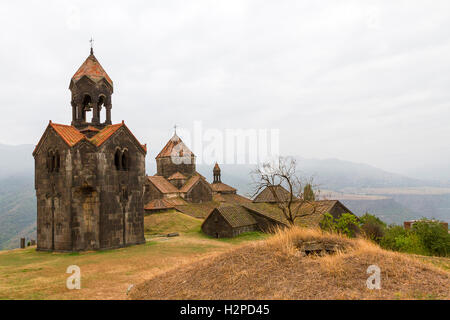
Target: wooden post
<point>22,243</point>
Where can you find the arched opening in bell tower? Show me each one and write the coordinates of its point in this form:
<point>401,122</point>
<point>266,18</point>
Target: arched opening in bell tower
<point>86,107</point>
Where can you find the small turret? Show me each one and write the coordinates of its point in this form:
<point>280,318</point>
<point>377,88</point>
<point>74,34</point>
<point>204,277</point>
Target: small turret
<point>216,174</point>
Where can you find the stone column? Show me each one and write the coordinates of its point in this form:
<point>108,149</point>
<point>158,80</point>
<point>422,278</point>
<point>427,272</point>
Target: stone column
<point>108,114</point>
<point>80,112</point>
<point>74,112</point>
<point>95,118</point>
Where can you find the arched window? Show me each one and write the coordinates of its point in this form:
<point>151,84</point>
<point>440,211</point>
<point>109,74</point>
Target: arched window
<point>117,159</point>
<point>125,160</point>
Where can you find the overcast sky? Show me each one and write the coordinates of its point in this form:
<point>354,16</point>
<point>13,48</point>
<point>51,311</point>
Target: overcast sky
<point>340,79</point>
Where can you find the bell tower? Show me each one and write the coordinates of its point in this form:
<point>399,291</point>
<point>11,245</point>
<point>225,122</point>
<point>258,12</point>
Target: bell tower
<point>91,89</point>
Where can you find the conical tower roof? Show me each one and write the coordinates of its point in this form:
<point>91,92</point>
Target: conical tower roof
<point>174,147</point>
<point>92,69</point>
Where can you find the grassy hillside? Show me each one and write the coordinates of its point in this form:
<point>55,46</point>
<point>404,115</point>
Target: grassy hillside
<point>275,269</point>
<point>27,274</point>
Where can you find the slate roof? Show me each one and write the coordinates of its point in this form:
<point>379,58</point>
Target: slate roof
<point>92,69</point>
<point>177,176</point>
<point>162,184</point>
<point>268,210</point>
<point>267,195</point>
<point>169,149</point>
<point>192,182</point>
<point>231,198</point>
<point>313,211</point>
<point>236,216</point>
<point>222,187</point>
<point>159,204</point>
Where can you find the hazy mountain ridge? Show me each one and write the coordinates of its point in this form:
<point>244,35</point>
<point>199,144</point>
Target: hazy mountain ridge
<point>17,210</point>
<point>18,201</point>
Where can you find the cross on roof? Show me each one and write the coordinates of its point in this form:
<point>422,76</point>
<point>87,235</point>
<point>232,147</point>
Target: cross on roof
<point>175,128</point>
<point>92,45</point>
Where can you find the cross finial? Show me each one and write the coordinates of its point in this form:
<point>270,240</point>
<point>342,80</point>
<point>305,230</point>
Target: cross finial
<point>92,45</point>
<point>175,128</point>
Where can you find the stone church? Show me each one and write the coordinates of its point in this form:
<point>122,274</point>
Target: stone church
<point>176,180</point>
<point>177,183</point>
<point>89,175</point>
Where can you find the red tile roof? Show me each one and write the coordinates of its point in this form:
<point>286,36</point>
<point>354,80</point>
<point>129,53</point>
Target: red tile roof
<point>93,70</point>
<point>169,149</point>
<point>72,135</point>
<point>69,134</point>
<point>90,128</point>
<point>162,184</point>
<point>105,133</point>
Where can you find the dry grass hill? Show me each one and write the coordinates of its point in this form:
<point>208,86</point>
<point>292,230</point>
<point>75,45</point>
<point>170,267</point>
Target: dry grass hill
<point>192,265</point>
<point>276,269</point>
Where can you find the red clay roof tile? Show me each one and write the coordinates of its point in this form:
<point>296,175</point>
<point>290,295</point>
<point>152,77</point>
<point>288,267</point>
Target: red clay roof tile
<point>92,69</point>
<point>174,147</point>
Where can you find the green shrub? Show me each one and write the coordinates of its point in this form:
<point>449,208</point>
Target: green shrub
<point>347,224</point>
<point>434,237</point>
<point>389,240</point>
<point>372,227</point>
<point>327,222</point>
<point>426,238</point>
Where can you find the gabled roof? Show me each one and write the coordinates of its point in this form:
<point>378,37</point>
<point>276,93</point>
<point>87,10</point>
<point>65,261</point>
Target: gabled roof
<point>231,198</point>
<point>268,210</point>
<point>105,133</point>
<point>92,69</point>
<point>320,207</point>
<point>89,129</point>
<point>192,182</point>
<point>222,187</point>
<point>159,204</point>
<point>177,176</point>
<point>175,147</point>
<point>69,134</point>
<point>162,184</point>
<point>267,195</point>
<point>236,216</point>
<point>72,135</point>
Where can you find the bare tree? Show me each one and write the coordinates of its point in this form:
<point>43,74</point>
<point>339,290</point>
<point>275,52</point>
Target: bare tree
<point>281,176</point>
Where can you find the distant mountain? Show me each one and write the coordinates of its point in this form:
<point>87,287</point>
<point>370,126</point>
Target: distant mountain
<point>18,202</point>
<point>17,210</point>
<point>337,174</point>
<point>331,174</point>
